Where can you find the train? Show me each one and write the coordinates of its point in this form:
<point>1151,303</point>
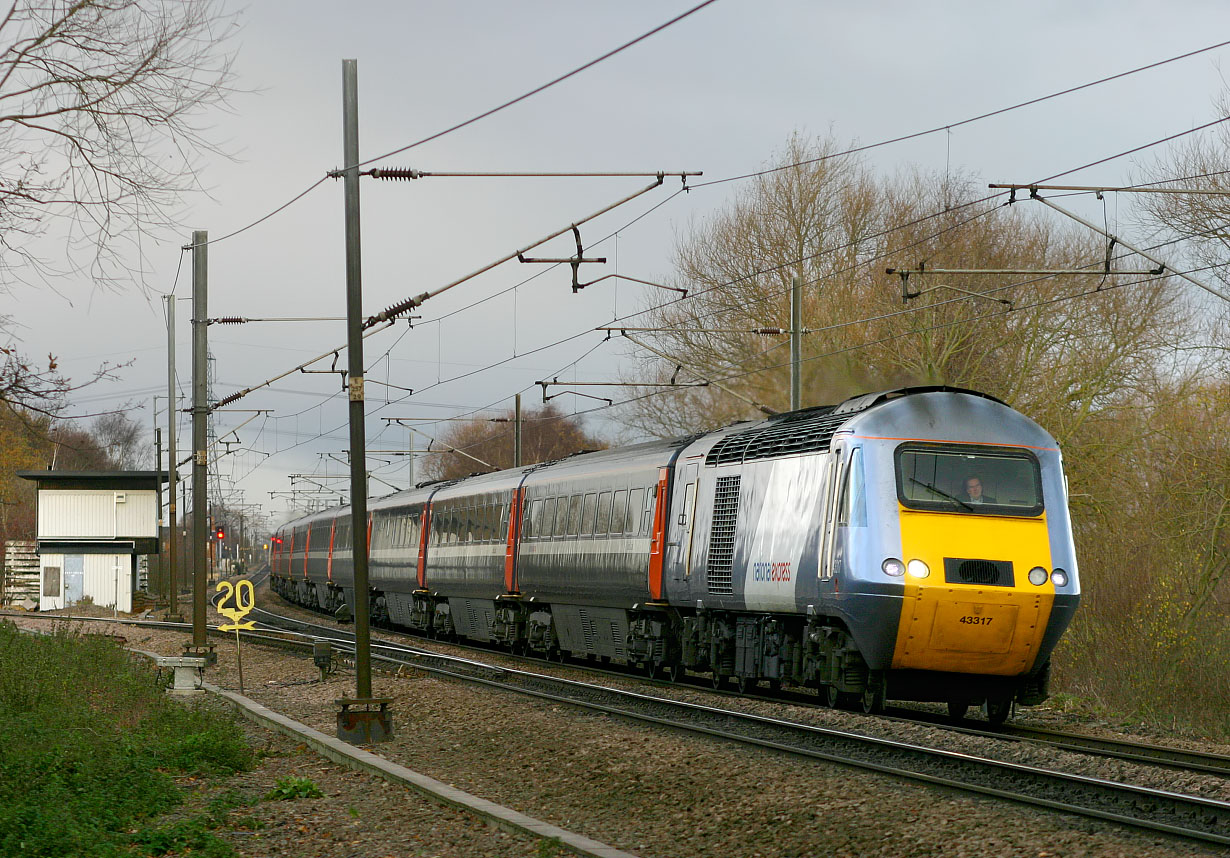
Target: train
<point>912,544</point>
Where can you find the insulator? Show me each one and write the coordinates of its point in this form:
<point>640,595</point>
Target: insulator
<point>230,320</point>
<point>395,173</point>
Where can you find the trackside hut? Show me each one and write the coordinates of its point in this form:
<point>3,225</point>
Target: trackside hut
<point>92,525</point>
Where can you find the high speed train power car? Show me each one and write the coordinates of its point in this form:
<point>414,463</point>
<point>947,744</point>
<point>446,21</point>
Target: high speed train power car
<point>912,544</point>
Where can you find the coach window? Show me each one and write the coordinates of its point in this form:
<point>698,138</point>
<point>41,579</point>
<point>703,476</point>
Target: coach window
<point>588,509</point>
<point>548,517</point>
<point>574,515</point>
<point>604,513</point>
<point>647,518</point>
<point>619,507</point>
<point>636,501</point>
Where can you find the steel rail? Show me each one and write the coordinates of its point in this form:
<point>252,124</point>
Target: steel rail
<point>1186,816</point>
<point>1080,743</point>
<point>1191,817</point>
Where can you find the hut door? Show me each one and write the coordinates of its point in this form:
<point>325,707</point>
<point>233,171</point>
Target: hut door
<point>74,578</point>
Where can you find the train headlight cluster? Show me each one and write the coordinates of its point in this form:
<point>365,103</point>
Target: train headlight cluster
<point>893,566</point>
<point>1038,576</point>
<point>918,569</point>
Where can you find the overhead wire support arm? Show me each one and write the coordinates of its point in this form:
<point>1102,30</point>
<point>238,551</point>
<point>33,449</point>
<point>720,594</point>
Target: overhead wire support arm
<point>407,174</point>
<point>392,312</point>
<point>1163,266</point>
<point>574,261</point>
<point>243,320</point>
<point>578,286</point>
<point>760,406</point>
<point>1106,189</point>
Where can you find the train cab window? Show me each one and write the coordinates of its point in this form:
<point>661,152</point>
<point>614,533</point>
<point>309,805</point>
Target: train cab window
<point>588,510</point>
<point>619,507</point>
<point>574,515</point>
<point>604,513</point>
<point>960,479</point>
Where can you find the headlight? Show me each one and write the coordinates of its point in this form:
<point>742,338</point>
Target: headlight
<point>1059,578</point>
<point>1037,576</point>
<point>918,569</point>
<point>893,566</point>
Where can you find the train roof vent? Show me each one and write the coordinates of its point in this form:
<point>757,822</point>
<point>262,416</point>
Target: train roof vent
<point>798,432</point>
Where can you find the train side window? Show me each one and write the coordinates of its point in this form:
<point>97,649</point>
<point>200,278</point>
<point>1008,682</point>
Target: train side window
<point>647,517</point>
<point>853,510</point>
<point>636,501</point>
<point>548,517</point>
<point>588,510</point>
<point>532,517</point>
<point>604,513</point>
<point>619,509</point>
<point>574,515</point>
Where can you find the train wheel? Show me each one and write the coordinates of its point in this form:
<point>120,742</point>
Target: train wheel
<point>873,699</point>
<point>998,710</point>
<point>743,684</point>
<point>649,669</point>
<point>832,697</point>
<point>718,680</point>
<point>957,709</point>
<point>676,672</point>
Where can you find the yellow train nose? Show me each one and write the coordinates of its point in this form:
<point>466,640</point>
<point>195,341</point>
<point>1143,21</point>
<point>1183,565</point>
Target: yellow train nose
<point>977,612</point>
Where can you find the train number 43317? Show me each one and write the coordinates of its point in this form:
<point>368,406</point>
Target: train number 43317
<point>976,621</point>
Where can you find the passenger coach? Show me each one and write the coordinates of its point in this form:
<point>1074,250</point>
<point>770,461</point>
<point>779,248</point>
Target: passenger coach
<point>912,544</point>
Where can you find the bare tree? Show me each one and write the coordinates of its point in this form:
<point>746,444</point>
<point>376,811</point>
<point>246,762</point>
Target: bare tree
<point>546,434</point>
<point>100,102</point>
<point>101,111</point>
<point>122,439</point>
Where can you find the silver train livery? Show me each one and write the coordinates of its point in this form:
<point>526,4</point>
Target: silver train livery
<point>911,544</point>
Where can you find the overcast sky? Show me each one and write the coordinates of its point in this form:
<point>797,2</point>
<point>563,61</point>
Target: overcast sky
<point>721,92</point>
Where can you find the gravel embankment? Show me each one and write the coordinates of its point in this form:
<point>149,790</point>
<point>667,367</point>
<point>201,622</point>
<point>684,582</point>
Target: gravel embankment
<point>649,791</point>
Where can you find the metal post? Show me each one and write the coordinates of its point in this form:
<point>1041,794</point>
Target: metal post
<point>363,722</point>
<point>796,341</point>
<point>200,410</point>
<point>172,469</point>
<point>517,432</point>
<point>159,587</point>
<point>410,456</point>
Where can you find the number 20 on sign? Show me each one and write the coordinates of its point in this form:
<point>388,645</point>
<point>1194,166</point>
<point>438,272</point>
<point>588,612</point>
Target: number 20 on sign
<point>239,598</point>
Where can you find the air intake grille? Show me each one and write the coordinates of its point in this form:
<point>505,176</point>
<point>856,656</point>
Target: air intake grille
<point>722,536</point>
<point>990,573</point>
<point>800,432</point>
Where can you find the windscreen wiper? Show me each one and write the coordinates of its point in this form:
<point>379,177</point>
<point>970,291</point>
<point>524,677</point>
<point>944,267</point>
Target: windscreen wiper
<point>942,493</point>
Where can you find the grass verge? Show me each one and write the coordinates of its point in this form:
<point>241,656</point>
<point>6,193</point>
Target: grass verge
<point>90,745</point>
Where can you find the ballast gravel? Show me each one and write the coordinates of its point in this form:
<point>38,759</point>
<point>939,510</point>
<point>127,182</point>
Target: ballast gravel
<point>643,789</point>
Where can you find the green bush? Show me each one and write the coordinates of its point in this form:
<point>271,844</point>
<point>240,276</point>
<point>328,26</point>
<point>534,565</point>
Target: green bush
<point>292,788</point>
<point>89,742</point>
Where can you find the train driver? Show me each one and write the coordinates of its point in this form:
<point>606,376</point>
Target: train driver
<point>973,491</point>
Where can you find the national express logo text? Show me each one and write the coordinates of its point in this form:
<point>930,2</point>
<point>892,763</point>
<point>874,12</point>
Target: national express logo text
<point>774,573</point>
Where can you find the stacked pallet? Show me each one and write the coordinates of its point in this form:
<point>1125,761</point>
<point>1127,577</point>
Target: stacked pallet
<point>19,580</point>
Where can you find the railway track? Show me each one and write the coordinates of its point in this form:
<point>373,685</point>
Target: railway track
<point>1082,743</point>
<point>1184,816</point>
